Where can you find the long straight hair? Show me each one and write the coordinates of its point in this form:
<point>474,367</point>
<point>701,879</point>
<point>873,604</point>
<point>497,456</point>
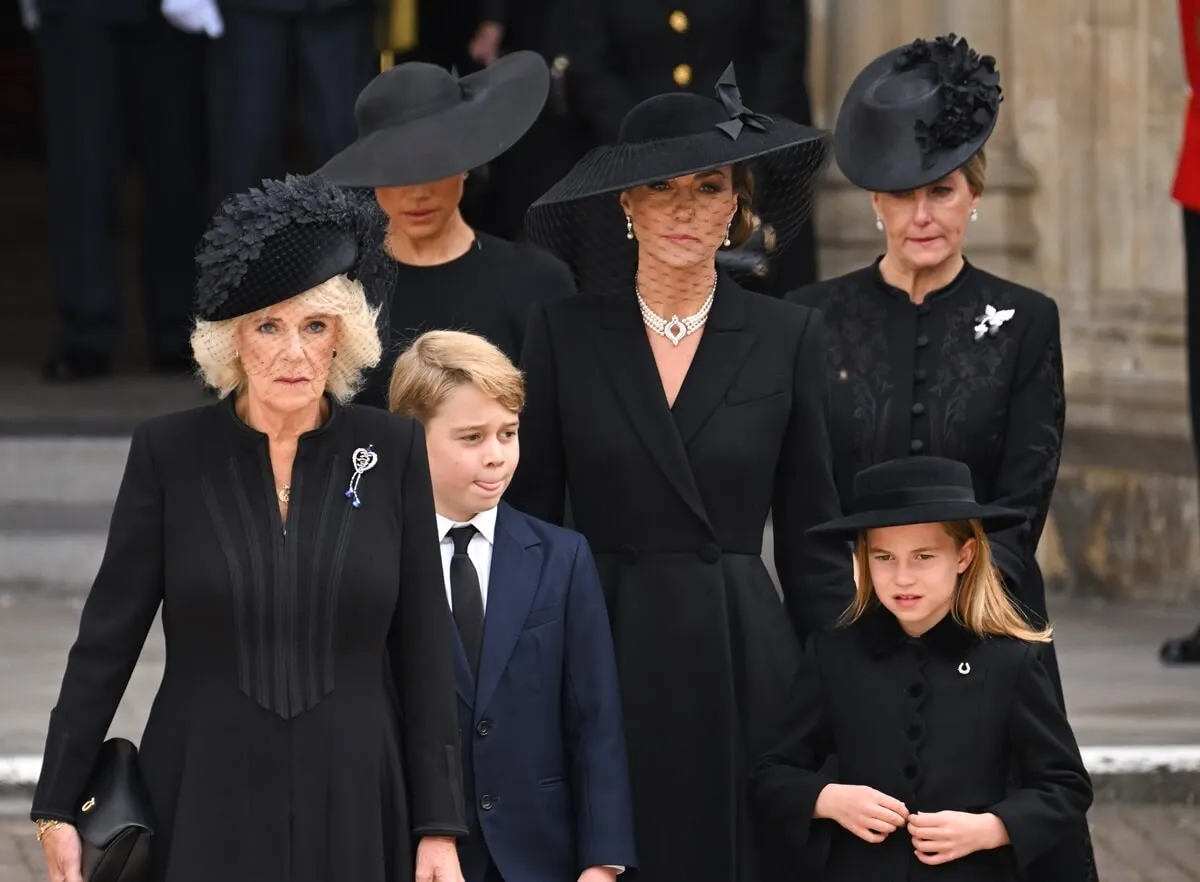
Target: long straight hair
<point>981,603</point>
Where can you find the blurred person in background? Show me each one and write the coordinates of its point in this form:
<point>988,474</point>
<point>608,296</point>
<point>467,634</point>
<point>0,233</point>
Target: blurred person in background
<point>333,46</point>
<point>121,77</point>
<point>1186,191</point>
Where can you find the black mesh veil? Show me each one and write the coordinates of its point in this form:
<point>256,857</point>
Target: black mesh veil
<point>775,166</point>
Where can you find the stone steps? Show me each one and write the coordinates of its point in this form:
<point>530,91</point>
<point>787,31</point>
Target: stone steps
<point>56,498</point>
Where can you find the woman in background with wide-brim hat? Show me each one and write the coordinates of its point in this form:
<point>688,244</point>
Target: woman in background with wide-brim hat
<point>422,131</point>
<point>677,410</point>
<point>928,353</point>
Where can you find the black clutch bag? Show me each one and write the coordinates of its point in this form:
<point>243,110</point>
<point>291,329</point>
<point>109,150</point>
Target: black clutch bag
<point>114,821</point>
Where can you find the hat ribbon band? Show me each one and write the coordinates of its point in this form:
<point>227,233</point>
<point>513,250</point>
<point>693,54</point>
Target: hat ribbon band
<point>905,496</point>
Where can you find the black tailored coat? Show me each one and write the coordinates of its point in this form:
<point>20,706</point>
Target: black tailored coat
<point>305,728</point>
<point>624,51</point>
<point>913,380</point>
<point>673,502</point>
<point>936,722</point>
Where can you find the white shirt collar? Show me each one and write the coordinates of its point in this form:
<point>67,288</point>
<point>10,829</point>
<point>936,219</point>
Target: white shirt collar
<point>484,522</point>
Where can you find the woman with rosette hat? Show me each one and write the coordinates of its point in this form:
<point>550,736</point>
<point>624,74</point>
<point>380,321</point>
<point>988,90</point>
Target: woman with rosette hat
<point>678,409</point>
<point>927,353</point>
<point>422,131</point>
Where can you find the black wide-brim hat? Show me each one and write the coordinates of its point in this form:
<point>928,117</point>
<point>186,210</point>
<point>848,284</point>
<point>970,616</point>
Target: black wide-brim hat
<point>680,133</point>
<point>418,122</point>
<point>915,114</point>
<point>916,490</point>
<point>277,241</point>
<point>668,136</point>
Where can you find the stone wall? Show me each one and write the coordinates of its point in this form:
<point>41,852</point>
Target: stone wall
<point>1078,205</point>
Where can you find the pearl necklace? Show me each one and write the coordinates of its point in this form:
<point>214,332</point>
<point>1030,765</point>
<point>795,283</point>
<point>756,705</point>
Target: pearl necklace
<point>675,328</point>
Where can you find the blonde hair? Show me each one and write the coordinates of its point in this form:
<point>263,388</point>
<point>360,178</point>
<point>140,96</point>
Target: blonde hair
<point>438,362</point>
<point>975,171</point>
<point>981,602</point>
<point>214,344</point>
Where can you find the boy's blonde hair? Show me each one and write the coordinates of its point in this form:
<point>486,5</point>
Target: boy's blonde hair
<point>438,362</point>
<point>981,602</point>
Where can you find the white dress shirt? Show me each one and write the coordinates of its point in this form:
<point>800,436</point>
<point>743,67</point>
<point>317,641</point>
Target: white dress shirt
<point>479,550</point>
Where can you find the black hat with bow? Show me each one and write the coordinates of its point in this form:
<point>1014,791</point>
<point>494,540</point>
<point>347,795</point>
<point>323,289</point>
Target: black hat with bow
<point>916,490</point>
<point>277,241</point>
<point>418,122</point>
<point>915,114</point>
<point>669,136</point>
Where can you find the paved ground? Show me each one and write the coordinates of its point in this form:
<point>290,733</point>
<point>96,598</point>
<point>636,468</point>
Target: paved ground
<point>1133,844</point>
<point>1117,692</point>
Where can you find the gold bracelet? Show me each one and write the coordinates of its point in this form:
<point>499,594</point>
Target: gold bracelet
<point>45,826</point>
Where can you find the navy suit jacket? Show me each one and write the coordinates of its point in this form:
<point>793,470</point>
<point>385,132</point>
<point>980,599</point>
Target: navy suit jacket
<point>545,776</point>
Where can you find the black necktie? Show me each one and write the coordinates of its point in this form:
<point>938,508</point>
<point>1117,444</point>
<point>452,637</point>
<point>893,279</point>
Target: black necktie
<point>465,595</point>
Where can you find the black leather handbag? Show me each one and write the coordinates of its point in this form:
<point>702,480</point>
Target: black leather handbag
<point>114,821</point>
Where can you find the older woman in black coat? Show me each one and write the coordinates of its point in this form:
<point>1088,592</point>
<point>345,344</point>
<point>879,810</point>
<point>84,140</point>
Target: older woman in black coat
<point>927,353</point>
<point>305,727</point>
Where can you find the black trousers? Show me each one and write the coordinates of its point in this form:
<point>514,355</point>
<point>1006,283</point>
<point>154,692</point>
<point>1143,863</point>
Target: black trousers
<point>335,57</point>
<point>103,83</point>
<point>1191,277</point>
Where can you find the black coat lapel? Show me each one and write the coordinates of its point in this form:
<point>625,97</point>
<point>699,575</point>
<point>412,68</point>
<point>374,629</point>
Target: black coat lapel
<point>512,583</point>
<point>624,352</point>
<point>719,357</point>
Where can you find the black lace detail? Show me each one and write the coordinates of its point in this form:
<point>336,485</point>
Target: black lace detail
<point>968,367</point>
<point>969,88</point>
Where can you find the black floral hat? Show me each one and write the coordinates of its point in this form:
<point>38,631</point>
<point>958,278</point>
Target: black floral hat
<point>279,240</point>
<point>915,114</point>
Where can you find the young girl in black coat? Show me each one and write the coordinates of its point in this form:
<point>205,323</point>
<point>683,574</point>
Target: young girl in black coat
<point>933,698</point>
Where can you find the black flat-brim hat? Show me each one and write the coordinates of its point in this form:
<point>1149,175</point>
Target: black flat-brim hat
<point>915,114</point>
<point>681,133</point>
<point>419,123</point>
<point>916,490</point>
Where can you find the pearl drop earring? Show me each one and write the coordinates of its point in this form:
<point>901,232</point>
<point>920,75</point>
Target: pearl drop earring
<point>879,224</point>
<point>628,227</point>
<point>728,227</point>
<point>974,215</point>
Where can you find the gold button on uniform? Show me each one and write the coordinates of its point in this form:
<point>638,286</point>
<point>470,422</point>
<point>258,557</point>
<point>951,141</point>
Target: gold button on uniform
<point>682,74</point>
<point>679,21</point>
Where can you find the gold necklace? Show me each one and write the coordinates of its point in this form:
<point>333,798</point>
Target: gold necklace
<point>284,494</point>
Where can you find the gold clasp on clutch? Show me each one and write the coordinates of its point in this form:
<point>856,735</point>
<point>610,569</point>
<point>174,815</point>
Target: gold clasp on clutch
<point>89,805</point>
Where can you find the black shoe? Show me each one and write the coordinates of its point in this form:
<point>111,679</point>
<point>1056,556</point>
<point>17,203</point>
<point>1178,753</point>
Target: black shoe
<point>74,366</point>
<point>1181,651</point>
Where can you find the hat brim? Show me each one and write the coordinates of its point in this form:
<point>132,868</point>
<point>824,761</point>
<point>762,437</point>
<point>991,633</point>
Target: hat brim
<point>615,167</point>
<point>887,164</point>
<point>503,102</point>
<point>993,518</point>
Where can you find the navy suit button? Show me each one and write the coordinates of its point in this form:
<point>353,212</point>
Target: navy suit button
<point>483,728</point>
<point>918,409</point>
<point>917,445</point>
<point>920,374</point>
<point>487,802</point>
<point>709,553</point>
<point>922,341</point>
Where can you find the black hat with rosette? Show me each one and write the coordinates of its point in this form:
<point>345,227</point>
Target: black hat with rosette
<point>915,114</point>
